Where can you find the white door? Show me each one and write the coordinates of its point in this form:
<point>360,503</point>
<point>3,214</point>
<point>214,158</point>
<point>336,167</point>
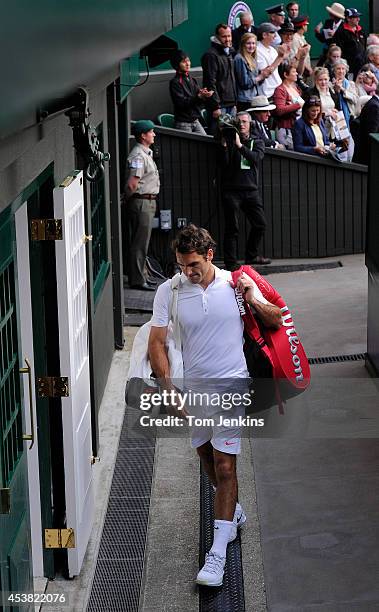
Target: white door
<point>74,363</point>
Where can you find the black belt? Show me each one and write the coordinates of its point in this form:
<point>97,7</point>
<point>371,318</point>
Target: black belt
<point>144,196</point>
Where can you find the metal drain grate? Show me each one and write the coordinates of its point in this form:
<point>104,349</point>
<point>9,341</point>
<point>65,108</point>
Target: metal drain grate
<point>337,358</point>
<point>230,597</point>
<point>118,574</point>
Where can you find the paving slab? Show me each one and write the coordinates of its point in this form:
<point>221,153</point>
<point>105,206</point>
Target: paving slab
<point>329,306</point>
<point>318,507</point>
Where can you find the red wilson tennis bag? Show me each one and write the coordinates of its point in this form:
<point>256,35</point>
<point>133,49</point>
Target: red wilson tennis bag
<point>275,358</point>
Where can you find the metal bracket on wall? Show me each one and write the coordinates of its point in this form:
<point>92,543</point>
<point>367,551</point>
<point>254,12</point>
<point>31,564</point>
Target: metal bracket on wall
<point>52,386</point>
<point>59,538</point>
<point>46,229</point>
<point>85,137</point>
<point>5,501</point>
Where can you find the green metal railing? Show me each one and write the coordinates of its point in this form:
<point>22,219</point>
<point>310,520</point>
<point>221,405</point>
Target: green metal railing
<point>11,445</point>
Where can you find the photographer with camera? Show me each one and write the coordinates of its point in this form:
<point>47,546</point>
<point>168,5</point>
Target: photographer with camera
<point>241,153</point>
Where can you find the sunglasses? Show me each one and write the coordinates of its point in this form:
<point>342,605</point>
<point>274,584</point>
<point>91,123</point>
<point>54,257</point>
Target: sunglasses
<point>314,100</point>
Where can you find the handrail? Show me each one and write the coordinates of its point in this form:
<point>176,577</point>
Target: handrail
<point>159,129</point>
<point>314,159</point>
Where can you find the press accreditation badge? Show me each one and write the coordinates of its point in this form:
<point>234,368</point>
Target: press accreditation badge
<point>245,164</point>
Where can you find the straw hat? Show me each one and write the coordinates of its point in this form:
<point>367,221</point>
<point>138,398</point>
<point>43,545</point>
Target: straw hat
<point>337,10</point>
<point>260,103</point>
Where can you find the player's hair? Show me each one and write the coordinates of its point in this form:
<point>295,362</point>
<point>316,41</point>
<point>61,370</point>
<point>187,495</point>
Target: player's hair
<point>193,239</point>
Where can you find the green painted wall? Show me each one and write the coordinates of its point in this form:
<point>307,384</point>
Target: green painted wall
<point>193,35</point>
<point>129,75</point>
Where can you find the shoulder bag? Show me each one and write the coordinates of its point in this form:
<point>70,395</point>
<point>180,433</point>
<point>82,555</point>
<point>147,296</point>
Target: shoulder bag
<point>275,358</point>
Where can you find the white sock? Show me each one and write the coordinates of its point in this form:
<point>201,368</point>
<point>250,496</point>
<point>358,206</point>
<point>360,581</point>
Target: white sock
<point>221,535</point>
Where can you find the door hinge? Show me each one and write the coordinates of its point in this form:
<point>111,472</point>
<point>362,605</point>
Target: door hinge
<point>52,386</point>
<point>5,501</point>
<point>46,229</point>
<point>59,538</point>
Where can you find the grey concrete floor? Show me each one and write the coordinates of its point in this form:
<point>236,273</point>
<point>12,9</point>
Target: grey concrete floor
<point>318,499</point>
<point>311,541</point>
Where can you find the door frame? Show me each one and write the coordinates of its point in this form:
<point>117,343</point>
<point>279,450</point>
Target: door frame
<point>41,515</point>
<point>27,350</point>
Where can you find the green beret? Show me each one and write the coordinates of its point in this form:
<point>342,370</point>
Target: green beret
<point>142,126</point>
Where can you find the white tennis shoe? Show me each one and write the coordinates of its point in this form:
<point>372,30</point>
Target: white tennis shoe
<point>212,572</point>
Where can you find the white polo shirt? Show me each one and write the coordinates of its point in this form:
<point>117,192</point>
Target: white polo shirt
<point>210,325</point>
<point>265,57</point>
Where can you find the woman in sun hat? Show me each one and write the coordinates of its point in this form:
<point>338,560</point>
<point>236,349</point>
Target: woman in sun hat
<point>325,32</point>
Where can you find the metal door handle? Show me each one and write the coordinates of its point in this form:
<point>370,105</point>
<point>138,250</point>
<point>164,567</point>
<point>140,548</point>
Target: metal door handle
<point>28,371</point>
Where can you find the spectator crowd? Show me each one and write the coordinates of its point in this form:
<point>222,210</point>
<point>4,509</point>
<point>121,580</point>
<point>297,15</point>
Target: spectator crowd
<point>260,90</point>
<point>327,109</point>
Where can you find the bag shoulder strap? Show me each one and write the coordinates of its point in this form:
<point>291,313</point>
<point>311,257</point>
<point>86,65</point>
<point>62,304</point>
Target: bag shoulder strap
<point>250,324</point>
<point>175,283</point>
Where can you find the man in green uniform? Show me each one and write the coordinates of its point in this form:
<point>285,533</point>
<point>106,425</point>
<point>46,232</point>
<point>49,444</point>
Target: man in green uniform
<point>141,190</point>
